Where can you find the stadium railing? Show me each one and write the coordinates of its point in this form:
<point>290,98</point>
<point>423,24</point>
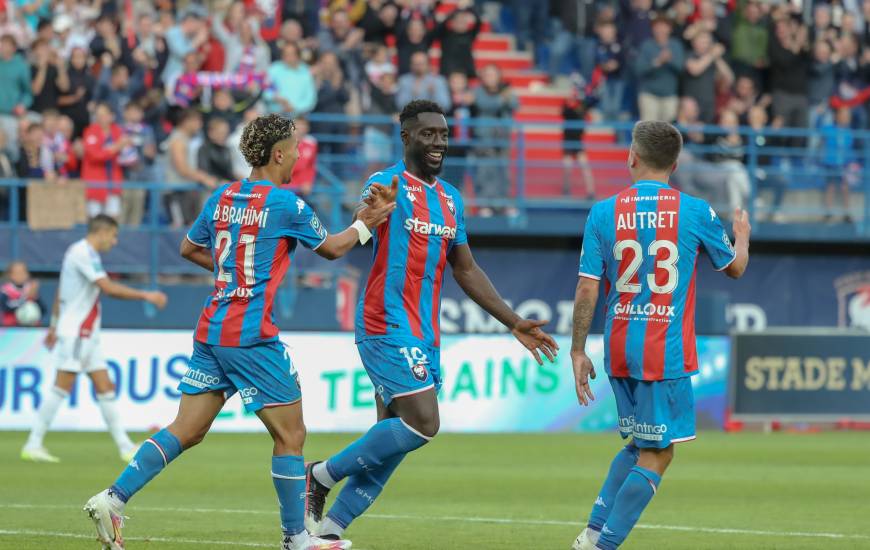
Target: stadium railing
<point>538,192</point>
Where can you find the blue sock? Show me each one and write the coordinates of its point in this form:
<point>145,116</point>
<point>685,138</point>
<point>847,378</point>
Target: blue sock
<point>639,488</point>
<point>154,455</point>
<point>288,476</point>
<point>361,490</point>
<point>622,464</point>
<point>385,439</point>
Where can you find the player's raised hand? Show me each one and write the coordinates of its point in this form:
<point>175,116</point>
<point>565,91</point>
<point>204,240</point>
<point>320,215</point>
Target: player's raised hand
<point>529,333</point>
<point>380,203</point>
<point>157,298</point>
<point>583,371</point>
<point>741,226</point>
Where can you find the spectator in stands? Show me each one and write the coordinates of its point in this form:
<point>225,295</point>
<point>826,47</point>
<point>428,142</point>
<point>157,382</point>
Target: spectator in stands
<point>728,152</point>
<point>420,83</point>
<point>746,96</point>
<point>457,34</point>
<point>635,24</point>
<point>103,140</point>
<point>72,149</point>
<point>696,175</point>
<point>821,83</point>
<point>74,103</point>
<point>240,165</point>
<point>379,21</point>
<point>35,160</point>
<point>187,36</point>
<point>851,75</point>
<point>379,63</point>
<point>291,32</point>
<point>15,93</point>
<point>107,40</point>
<point>411,38</point>
<point>18,289</point>
<point>8,169</point>
<point>50,77</point>
<point>149,40</point>
<point>458,119</point>
<point>55,142</point>
<point>113,88</point>
<point>494,106</point>
<point>704,65</point>
<point>768,172</point>
<point>244,50</point>
<point>294,89</point>
<point>712,17</point>
<point>333,95</point>
<point>12,25</point>
<point>379,99</point>
<point>137,161</point>
<point>840,162</point>
<point>305,169</point>
<point>659,65</point>
<point>749,40</point>
<point>823,27</point>
<point>789,73</point>
<point>570,41</point>
<point>213,156</point>
<point>181,168</point>
<point>609,58</point>
<point>574,112</point>
<point>532,21</point>
<point>341,38</point>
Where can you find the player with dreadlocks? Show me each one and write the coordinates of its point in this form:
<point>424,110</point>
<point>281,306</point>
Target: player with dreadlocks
<point>246,235</point>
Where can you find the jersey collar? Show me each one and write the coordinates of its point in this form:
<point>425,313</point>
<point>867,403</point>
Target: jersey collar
<point>411,177</point>
<point>650,183</point>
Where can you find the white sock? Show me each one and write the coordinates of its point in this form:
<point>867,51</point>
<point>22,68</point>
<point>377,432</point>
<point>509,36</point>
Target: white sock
<point>45,415</point>
<point>108,407</point>
<point>329,527</point>
<point>321,474</point>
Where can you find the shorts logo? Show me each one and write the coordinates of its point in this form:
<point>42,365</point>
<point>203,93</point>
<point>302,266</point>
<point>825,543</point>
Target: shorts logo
<point>247,395</point>
<point>199,379</point>
<point>648,432</point>
<point>419,371</point>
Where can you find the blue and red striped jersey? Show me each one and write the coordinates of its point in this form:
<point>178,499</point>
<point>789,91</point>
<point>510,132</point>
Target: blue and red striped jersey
<point>644,244</point>
<point>252,228</point>
<point>403,293</point>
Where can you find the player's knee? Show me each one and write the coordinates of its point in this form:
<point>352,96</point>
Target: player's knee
<point>188,436</point>
<point>428,425</point>
<point>290,440</point>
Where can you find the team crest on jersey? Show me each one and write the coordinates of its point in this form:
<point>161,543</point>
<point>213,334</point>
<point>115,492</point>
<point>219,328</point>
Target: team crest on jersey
<point>451,206</point>
<point>853,300</point>
<point>420,372</point>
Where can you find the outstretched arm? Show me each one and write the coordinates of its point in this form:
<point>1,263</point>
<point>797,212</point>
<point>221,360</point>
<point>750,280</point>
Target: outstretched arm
<point>375,210</point>
<point>585,298</point>
<point>124,292</point>
<point>474,282</point>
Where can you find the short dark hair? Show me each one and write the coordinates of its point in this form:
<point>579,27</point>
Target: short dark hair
<point>186,114</point>
<point>657,144</point>
<point>417,107</point>
<point>261,134</point>
<point>100,222</point>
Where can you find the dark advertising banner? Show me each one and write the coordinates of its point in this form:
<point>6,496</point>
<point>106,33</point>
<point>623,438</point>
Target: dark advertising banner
<point>800,375</point>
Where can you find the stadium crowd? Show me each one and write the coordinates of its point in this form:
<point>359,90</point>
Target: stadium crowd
<point>132,91</point>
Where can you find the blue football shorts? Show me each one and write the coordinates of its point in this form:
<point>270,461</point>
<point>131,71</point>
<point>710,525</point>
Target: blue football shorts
<point>263,374</point>
<point>655,413</point>
<point>400,366</point>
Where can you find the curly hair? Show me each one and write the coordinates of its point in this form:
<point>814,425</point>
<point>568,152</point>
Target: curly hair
<point>261,134</point>
<point>417,107</point>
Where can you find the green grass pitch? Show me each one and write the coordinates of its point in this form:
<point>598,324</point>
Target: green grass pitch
<point>530,492</point>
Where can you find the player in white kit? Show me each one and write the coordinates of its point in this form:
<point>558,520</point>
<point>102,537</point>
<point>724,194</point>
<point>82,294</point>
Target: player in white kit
<point>74,335</point>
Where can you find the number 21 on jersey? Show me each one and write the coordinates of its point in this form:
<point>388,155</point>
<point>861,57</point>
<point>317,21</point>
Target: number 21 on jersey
<point>668,263</point>
<point>223,242</point>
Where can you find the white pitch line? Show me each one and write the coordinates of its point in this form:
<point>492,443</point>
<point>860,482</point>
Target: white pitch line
<point>57,534</point>
<point>473,519</point>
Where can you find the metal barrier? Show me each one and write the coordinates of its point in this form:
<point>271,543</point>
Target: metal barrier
<point>520,169</point>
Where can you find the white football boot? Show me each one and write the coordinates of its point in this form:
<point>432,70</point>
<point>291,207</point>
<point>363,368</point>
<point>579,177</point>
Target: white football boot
<point>38,454</point>
<point>587,540</point>
<point>316,543</point>
<point>107,513</point>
